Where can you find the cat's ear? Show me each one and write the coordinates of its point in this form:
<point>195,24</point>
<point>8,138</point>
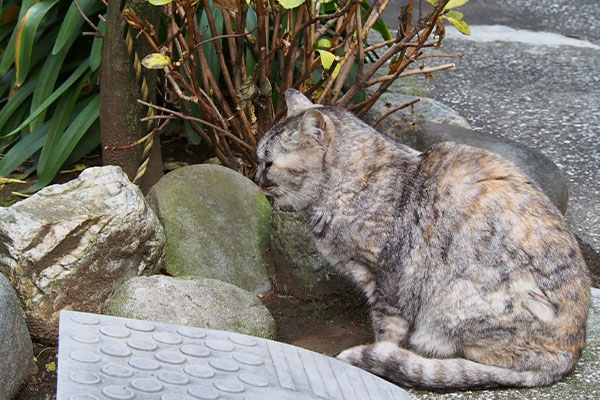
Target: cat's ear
<point>296,102</point>
<point>313,124</point>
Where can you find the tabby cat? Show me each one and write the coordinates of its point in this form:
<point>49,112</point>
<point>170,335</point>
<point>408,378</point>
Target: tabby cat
<point>472,276</point>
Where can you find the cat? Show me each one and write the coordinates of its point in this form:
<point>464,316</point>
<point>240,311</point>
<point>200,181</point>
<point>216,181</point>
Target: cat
<point>473,278</point>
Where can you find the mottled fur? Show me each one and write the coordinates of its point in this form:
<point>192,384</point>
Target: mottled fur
<point>472,275</point>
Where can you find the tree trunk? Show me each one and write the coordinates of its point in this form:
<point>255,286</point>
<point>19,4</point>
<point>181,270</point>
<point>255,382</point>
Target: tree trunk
<point>120,113</point>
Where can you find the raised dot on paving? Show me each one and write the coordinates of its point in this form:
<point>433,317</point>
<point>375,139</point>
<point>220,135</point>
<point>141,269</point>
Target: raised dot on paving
<point>194,350</point>
<point>167,338</point>
<point>173,378</point>
<point>199,371</point>
<point>85,356</point>
<point>248,359</point>
<point>85,338</point>
<point>229,386</point>
<point>242,340</point>
<point>203,393</point>
<point>191,332</point>
<point>144,364</point>
<point>84,377</point>
<point>82,396</point>
<point>85,319</point>
<point>114,331</point>
<point>116,392</point>
<point>142,344</point>
<point>140,326</point>
<point>117,371</point>
<point>115,350</point>
<point>146,385</point>
<point>169,357</point>
<point>254,380</point>
<point>174,396</point>
<point>224,365</point>
<point>219,345</point>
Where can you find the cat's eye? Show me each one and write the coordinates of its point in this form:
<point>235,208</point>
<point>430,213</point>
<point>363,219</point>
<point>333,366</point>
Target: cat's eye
<point>268,165</point>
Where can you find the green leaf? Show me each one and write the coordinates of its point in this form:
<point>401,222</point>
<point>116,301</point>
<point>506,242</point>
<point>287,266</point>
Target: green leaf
<point>454,14</point>
<point>159,2</point>
<point>71,26</point>
<point>156,61</point>
<point>8,57</point>
<point>96,52</point>
<point>68,140</point>
<point>460,25</point>
<point>52,98</point>
<point>89,142</point>
<point>290,3</point>
<point>26,34</point>
<point>193,137</point>
<point>209,49</point>
<point>13,104</point>
<point>324,43</point>
<point>23,149</point>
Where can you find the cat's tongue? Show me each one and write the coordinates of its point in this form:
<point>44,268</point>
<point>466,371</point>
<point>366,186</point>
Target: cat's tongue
<point>261,191</point>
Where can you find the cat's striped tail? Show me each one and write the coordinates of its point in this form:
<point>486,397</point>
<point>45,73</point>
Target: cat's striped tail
<point>409,369</point>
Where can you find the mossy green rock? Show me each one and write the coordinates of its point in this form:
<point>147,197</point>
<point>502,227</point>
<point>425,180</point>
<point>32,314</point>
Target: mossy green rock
<point>200,302</point>
<point>216,223</point>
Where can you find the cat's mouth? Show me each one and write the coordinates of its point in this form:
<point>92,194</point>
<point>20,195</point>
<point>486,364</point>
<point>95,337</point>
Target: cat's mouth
<point>267,191</point>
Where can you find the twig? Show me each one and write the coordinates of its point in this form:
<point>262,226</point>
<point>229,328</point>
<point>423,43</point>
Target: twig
<point>422,70</point>
<point>90,23</point>
<point>393,110</point>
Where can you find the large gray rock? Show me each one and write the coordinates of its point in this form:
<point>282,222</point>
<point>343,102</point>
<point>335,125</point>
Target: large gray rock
<point>16,355</point>
<point>299,270</point>
<point>438,125</point>
<point>582,383</point>
<point>217,225</point>
<point>200,302</point>
<point>70,246</point>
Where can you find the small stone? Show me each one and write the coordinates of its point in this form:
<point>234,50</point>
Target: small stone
<point>192,301</point>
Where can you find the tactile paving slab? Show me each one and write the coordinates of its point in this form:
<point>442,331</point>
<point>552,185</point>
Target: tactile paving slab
<point>103,357</point>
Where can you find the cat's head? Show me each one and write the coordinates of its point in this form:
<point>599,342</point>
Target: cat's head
<point>291,153</point>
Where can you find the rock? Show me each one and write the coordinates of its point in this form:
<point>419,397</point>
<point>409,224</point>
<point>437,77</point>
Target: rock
<point>200,302</point>
<point>441,124</point>
<point>70,246</point>
<point>299,269</point>
<point>426,109</point>
<point>582,383</point>
<point>217,225</point>
<point>16,353</point>
<point>592,259</point>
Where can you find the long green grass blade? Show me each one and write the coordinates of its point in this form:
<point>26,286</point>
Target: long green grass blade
<point>80,125</point>
<point>61,116</point>
<point>8,57</point>
<point>13,104</point>
<point>26,34</point>
<point>90,141</point>
<point>70,29</point>
<point>96,52</point>
<point>23,149</point>
<point>52,98</point>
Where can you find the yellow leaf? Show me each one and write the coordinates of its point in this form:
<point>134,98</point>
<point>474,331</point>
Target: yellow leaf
<point>290,3</point>
<point>78,167</point>
<point>156,61</point>
<point>455,3</point>
<point>159,2</point>
<point>4,181</point>
<point>460,25</point>
<point>51,366</point>
<point>327,58</point>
